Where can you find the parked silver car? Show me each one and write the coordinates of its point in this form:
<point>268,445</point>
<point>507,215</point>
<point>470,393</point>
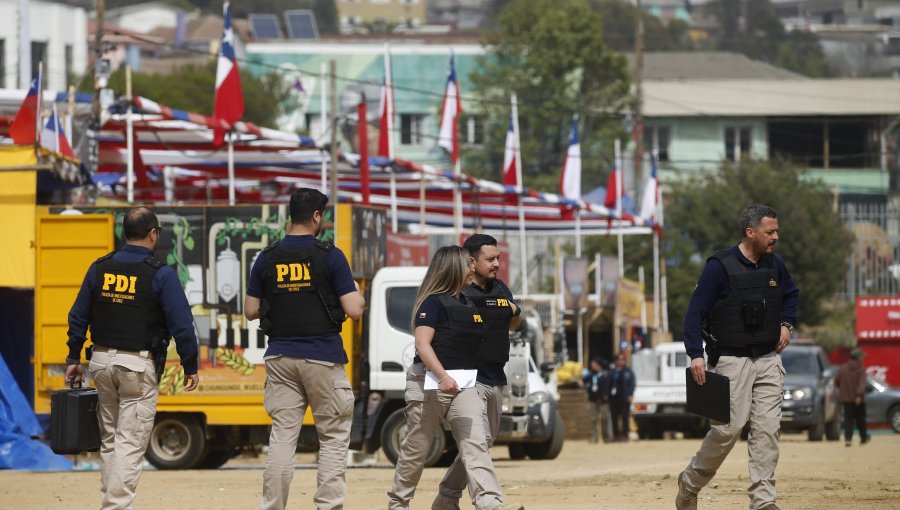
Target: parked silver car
<point>882,404</point>
<point>811,400</point>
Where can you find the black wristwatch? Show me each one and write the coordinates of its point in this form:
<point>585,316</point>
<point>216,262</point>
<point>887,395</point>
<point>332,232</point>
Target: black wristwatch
<point>789,326</point>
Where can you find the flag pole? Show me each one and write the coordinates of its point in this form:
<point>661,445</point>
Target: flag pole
<point>422,202</point>
<point>231,191</point>
<point>39,111</point>
<point>129,134</point>
<point>389,110</point>
<point>55,128</point>
<point>457,198</point>
<point>520,187</point>
<point>618,191</point>
<point>643,300</point>
<point>323,122</point>
<point>70,114</point>
<point>656,297</point>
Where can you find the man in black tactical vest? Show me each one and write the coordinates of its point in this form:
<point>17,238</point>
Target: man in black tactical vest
<point>301,289</point>
<point>745,306</point>
<point>132,303</point>
<point>501,315</point>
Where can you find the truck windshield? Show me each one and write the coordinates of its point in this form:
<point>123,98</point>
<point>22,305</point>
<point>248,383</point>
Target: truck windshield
<point>800,362</point>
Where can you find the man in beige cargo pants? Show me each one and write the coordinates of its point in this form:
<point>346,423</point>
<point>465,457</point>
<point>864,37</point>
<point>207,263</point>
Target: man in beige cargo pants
<point>130,300</point>
<point>302,289</point>
<point>744,307</point>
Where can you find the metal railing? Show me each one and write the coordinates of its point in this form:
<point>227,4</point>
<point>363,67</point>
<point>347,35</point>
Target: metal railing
<point>874,268</point>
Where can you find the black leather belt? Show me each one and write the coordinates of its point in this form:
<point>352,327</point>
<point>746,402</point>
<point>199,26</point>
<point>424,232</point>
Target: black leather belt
<point>749,351</point>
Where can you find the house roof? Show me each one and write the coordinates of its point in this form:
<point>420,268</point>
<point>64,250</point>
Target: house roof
<point>708,65</point>
<point>129,9</point>
<point>207,27</point>
<point>766,98</point>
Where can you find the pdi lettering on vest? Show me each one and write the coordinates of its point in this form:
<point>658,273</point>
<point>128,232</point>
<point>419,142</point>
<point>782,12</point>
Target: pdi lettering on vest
<point>476,317</point>
<point>297,275</point>
<point>123,283</point>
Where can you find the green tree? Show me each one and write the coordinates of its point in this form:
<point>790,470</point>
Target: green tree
<point>196,86</point>
<point>552,55</point>
<point>618,28</point>
<point>753,28</point>
<point>702,216</point>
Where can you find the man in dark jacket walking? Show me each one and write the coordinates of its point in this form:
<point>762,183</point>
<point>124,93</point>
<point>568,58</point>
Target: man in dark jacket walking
<point>851,380</point>
<point>621,392</point>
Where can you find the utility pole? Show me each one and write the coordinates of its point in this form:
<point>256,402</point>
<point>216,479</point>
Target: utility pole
<point>25,76</point>
<point>332,85</point>
<point>638,93</point>
<point>100,77</point>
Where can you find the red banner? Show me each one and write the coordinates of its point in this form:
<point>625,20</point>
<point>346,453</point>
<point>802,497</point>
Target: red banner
<point>878,318</point>
<point>407,250</point>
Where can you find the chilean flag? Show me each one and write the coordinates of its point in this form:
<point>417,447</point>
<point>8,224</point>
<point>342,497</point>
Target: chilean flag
<point>24,128</point>
<point>650,200</point>
<point>53,137</point>
<point>229,101</point>
<point>612,189</point>
<point>570,180</point>
<point>386,116</point>
<point>510,172</point>
<point>449,134</point>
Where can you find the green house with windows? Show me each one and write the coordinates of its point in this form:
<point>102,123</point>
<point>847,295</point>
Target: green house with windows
<point>843,130</point>
<point>419,73</point>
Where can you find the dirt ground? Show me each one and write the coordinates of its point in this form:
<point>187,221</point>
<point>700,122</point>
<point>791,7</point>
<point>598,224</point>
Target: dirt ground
<point>636,475</point>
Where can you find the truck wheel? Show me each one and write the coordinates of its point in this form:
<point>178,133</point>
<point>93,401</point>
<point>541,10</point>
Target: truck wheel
<point>550,448</point>
<point>516,451</point>
<point>833,429</point>
<point>393,434</point>
<point>217,457</point>
<point>177,441</point>
<point>817,431</point>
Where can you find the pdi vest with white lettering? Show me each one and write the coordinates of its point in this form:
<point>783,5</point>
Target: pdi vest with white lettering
<point>298,298</point>
<point>124,313</point>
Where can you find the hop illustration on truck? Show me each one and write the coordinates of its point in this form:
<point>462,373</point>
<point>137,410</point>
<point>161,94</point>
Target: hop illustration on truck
<point>234,360</point>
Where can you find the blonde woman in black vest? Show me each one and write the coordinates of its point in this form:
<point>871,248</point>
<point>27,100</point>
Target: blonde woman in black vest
<point>448,331</point>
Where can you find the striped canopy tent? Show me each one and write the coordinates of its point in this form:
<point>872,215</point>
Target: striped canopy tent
<point>174,153</point>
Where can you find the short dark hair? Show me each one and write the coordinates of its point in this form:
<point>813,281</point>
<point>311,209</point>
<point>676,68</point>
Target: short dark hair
<point>752,216</point>
<point>600,361</point>
<point>475,241</point>
<point>306,201</point>
<point>138,223</point>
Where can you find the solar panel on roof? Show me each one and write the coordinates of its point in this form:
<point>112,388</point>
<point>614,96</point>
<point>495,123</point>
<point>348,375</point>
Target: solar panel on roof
<point>301,24</point>
<point>265,26</point>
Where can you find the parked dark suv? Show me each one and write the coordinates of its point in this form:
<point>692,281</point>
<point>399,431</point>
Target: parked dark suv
<point>811,401</point>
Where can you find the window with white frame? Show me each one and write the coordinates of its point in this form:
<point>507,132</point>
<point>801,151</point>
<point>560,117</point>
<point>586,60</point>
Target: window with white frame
<point>658,138</point>
<point>474,130</point>
<point>737,142</point>
<point>412,129</point>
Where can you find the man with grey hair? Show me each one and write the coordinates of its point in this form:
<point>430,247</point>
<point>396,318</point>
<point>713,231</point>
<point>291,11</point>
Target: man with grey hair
<point>744,306</point>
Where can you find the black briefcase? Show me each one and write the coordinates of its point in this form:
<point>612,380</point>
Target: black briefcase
<point>73,421</point>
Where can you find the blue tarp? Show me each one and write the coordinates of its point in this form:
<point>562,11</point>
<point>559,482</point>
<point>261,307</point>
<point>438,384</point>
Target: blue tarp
<point>18,426</point>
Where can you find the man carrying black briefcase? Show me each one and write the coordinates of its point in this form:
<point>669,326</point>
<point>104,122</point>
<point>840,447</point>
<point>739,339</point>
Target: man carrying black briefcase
<point>132,302</point>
